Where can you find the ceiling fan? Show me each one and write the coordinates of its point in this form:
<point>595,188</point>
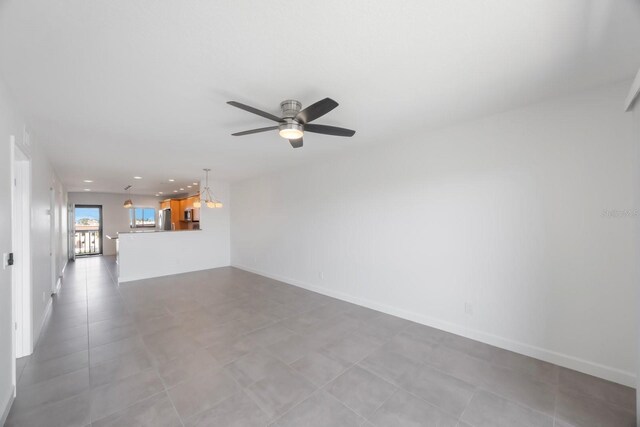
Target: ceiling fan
<point>295,121</point>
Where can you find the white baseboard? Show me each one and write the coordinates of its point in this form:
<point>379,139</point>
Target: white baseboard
<point>45,317</point>
<point>6,405</point>
<point>565,360</point>
<point>634,92</point>
<point>58,285</point>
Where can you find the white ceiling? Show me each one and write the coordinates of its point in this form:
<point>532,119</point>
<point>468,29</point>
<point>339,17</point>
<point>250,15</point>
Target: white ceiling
<point>116,88</point>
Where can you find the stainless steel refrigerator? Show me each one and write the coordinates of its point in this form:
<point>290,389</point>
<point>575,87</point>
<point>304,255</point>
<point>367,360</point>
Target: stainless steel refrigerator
<point>164,219</point>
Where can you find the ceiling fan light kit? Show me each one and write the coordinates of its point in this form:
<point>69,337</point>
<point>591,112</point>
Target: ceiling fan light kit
<point>295,121</point>
<point>291,129</point>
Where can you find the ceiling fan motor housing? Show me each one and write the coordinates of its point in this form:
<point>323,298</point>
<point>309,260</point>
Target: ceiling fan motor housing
<point>290,108</point>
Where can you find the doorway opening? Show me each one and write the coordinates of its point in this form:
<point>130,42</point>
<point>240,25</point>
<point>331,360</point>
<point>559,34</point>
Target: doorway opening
<point>87,230</point>
<point>21,247</point>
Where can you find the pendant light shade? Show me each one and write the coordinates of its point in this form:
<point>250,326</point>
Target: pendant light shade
<point>128,203</point>
<point>209,199</point>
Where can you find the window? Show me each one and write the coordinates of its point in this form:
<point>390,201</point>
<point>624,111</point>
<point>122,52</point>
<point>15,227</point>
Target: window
<point>143,217</point>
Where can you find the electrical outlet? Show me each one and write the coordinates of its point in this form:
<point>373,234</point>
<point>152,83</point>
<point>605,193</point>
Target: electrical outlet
<point>468,308</point>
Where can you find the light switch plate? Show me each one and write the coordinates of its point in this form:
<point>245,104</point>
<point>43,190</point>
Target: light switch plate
<point>5,261</point>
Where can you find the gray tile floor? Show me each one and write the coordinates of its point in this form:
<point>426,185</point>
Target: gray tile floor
<point>228,348</point>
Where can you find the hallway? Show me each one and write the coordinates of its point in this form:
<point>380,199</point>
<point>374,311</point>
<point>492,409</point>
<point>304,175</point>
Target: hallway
<point>225,347</point>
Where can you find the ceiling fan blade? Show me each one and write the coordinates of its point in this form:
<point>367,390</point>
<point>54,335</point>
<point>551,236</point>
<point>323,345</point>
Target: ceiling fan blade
<point>255,111</point>
<point>249,132</point>
<point>316,110</point>
<point>329,130</point>
<point>296,143</point>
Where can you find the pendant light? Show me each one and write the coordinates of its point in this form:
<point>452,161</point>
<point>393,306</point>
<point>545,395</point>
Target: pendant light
<point>209,199</point>
<point>128,203</point>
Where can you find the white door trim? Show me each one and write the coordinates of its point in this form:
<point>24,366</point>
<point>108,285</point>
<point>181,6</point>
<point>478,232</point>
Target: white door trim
<point>53,237</point>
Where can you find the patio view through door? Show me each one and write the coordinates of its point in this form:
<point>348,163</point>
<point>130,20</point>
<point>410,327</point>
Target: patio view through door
<point>88,230</point>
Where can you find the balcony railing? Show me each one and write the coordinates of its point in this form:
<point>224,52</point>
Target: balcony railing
<point>87,242</point>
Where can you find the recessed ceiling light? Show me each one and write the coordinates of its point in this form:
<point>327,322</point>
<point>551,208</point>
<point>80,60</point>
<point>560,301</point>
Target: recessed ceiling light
<point>137,177</point>
<point>87,189</point>
<point>171,179</point>
<point>175,191</point>
<point>182,189</point>
<point>188,186</point>
<point>157,195</point>
<point>88,181</point>
<point>160,192</point>
<point>195,183</point>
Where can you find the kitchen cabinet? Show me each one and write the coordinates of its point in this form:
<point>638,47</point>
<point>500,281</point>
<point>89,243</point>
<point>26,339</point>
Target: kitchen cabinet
<point>178,207</point>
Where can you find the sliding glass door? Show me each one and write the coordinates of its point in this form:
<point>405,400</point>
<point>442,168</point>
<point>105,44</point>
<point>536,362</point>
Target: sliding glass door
<point>88,230</point>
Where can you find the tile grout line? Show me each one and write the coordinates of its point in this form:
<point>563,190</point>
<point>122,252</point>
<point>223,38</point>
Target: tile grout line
<point>280,416</point>
<point>518,403</point>
<point>399,387</point>
<point>383,403</point>
<point>475,391</point>
<point>240,388</point>
<point>86,292</point>
<point>555,405</point>
<point>129,406</point>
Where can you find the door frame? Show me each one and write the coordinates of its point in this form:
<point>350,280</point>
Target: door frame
<point>71,230</point>
<point>21,277</point>
<point>53,239</point>
<point>100,229</point>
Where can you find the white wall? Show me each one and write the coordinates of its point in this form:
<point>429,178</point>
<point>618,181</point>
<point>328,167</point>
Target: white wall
<point>115,216</point>
<point>43,178</point>
<point>146,255</point>
<point>10,124</point>
<point>216,223</point>
<point>504,213</point>
<point>636,114</point>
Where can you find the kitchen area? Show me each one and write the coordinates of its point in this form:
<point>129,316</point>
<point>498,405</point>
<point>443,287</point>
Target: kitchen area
<point>153,236</point>
<point>181,240</point>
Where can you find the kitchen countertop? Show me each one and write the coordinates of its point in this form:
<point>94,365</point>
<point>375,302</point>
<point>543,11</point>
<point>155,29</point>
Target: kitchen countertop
<point>153,230</point>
